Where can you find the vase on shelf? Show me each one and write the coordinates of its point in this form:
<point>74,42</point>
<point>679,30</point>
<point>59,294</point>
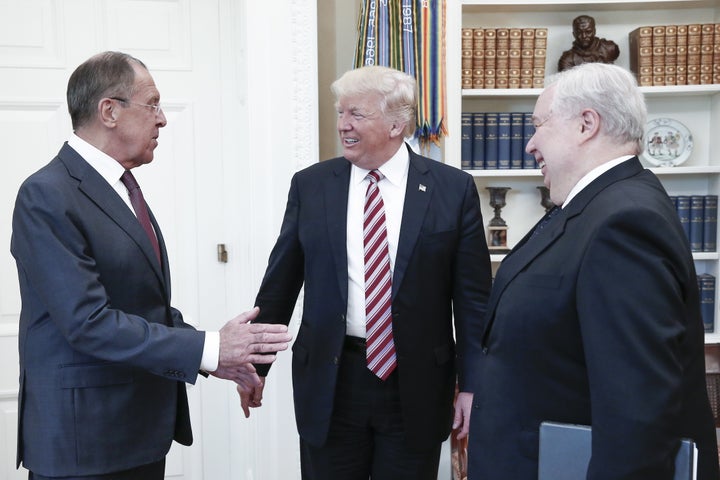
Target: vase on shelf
<point>545,198</point>
<point>497,227</point>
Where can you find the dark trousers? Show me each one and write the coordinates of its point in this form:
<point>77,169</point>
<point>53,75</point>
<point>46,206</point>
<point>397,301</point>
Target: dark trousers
<point>366,437</point>
<point>152,471</point>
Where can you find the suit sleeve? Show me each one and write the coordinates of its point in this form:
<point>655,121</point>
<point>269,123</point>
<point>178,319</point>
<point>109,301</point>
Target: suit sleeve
<point>631,306</point>
<point>58,271</point>
<point>285,271</point>
<point>472,285</point>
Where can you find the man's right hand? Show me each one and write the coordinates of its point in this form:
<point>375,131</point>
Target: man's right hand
<point>244,342</point>
<point>251,396</point>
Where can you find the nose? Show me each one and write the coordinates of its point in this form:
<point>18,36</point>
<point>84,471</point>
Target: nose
<point>530,147</point>
<point>162,120</point>
<point>342,122</point>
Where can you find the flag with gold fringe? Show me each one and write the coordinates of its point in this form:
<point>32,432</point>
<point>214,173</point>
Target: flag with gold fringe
<point>409,35</point>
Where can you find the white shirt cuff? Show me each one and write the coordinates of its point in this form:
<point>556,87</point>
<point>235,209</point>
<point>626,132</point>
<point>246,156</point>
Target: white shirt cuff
<point>211,352</point>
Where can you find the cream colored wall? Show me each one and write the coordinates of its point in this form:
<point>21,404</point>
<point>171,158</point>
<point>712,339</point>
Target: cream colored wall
<point>337,32</point>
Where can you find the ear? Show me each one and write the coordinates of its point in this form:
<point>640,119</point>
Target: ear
<point>397,129</point>
<point>589,123</point>
<point>108,112</point>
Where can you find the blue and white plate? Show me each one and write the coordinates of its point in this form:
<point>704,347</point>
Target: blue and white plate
<point>668,143</point>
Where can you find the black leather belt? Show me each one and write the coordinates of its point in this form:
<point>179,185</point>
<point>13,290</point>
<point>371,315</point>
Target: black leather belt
<point>355,344</point>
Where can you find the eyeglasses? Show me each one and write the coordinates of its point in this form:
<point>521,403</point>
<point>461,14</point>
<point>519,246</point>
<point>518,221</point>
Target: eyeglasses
<point>539,123</point>
<point>155,108</point>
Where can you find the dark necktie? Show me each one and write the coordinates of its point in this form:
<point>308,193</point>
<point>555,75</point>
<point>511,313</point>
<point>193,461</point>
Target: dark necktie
<point>381,358</point>
<point>141,211</point>
<point>544,222</point>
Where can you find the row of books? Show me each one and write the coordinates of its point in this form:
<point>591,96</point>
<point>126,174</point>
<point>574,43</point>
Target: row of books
<point>503,57</point>
<point>676,54</point>
<point>698,216</point>
<point>706,285</point>
<point>496,140</point>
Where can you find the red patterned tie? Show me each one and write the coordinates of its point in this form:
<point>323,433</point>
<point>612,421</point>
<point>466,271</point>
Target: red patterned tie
<point>138,203</point>
<point>381,357</point>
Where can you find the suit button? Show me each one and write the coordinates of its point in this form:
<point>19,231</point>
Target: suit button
<point>336,361</point>
<point>485,350</point>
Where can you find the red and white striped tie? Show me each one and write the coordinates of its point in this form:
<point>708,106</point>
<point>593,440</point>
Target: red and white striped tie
<point>381,358</point>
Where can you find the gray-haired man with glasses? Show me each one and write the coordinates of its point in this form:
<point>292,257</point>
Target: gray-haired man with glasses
<point>104,358</point>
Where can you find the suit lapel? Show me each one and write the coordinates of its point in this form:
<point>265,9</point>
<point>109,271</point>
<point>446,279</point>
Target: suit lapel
<point>103,195</point>
<point>336,199</point>
<point>419,191</point>
<point>530,247</point>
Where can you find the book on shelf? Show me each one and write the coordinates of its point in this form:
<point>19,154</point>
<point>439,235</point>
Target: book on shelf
<point>696,223</point>
<point>491,140</point>
<point>706,286</point>
<point>478,134</point>
<point>527,51</point>
<point>693,54</point>
<point>503,140</point>
<point>466,140</point>
<point>662,55</point>
<point>528,161</point>
<point>498,140</point>
<point>716,54</point>
<point>478,73</point>
<point>670,55</point>
<point>682,203</point>
<point>698,217</point>
<point>710,210</point>
<point>516,140</point>
<point>466,46</point>
<point>539,57</point>
<point>707,33</point>
<point>640,51</point>
<point>658,55</point>
<point>504,57</point>
<point>681,55</point>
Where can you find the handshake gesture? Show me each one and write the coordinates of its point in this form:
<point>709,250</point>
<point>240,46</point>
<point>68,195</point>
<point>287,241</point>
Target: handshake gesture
<point>243,343</point>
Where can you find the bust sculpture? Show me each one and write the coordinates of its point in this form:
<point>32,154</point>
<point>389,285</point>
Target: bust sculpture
<point>586,46</point>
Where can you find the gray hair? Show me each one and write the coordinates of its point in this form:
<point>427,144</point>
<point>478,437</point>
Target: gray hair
<point>107,74</point>
<point>398,92</point>
<point>608,89</point>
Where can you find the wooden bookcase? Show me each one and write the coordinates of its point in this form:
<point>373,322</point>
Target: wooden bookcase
<point>697,107</point>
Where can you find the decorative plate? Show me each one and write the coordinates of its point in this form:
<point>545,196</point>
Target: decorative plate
<point>668,143</point>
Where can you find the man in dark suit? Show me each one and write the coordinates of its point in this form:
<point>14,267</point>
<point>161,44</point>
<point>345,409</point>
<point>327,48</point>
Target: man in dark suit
<point>103,356</point>
<point>355,423</point>
<point>594,316</point>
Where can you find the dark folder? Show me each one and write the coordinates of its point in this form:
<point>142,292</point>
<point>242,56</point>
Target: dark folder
<point>565,453</point>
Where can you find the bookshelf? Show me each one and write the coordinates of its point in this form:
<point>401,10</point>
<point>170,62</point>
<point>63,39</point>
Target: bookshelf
<point>696,106</point>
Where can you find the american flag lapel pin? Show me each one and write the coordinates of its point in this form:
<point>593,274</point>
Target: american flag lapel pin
<point>422,187</point>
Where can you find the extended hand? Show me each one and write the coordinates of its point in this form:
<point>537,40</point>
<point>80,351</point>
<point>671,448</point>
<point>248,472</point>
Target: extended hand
<point>242,342</point>
<point>244,375</point>
<point>251,397</point>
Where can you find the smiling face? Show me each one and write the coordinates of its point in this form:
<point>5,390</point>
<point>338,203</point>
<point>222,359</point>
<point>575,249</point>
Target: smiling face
<point>368,138</point>
<point>138,125</point>
<point>553,146</point>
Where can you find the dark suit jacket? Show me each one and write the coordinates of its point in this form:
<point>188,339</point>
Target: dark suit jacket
<point>442,268</point>
<point>103,356</point>
<point>596,321</point>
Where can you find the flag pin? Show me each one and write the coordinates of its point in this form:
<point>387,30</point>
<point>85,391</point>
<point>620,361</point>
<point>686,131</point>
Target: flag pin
<point>421,187</point>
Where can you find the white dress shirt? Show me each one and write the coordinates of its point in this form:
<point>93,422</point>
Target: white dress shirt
<point>392,189</point>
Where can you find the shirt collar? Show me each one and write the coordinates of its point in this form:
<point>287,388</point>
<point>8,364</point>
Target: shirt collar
<point>394,170</point>
<point>109,168</point>
<point>592,175</point>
